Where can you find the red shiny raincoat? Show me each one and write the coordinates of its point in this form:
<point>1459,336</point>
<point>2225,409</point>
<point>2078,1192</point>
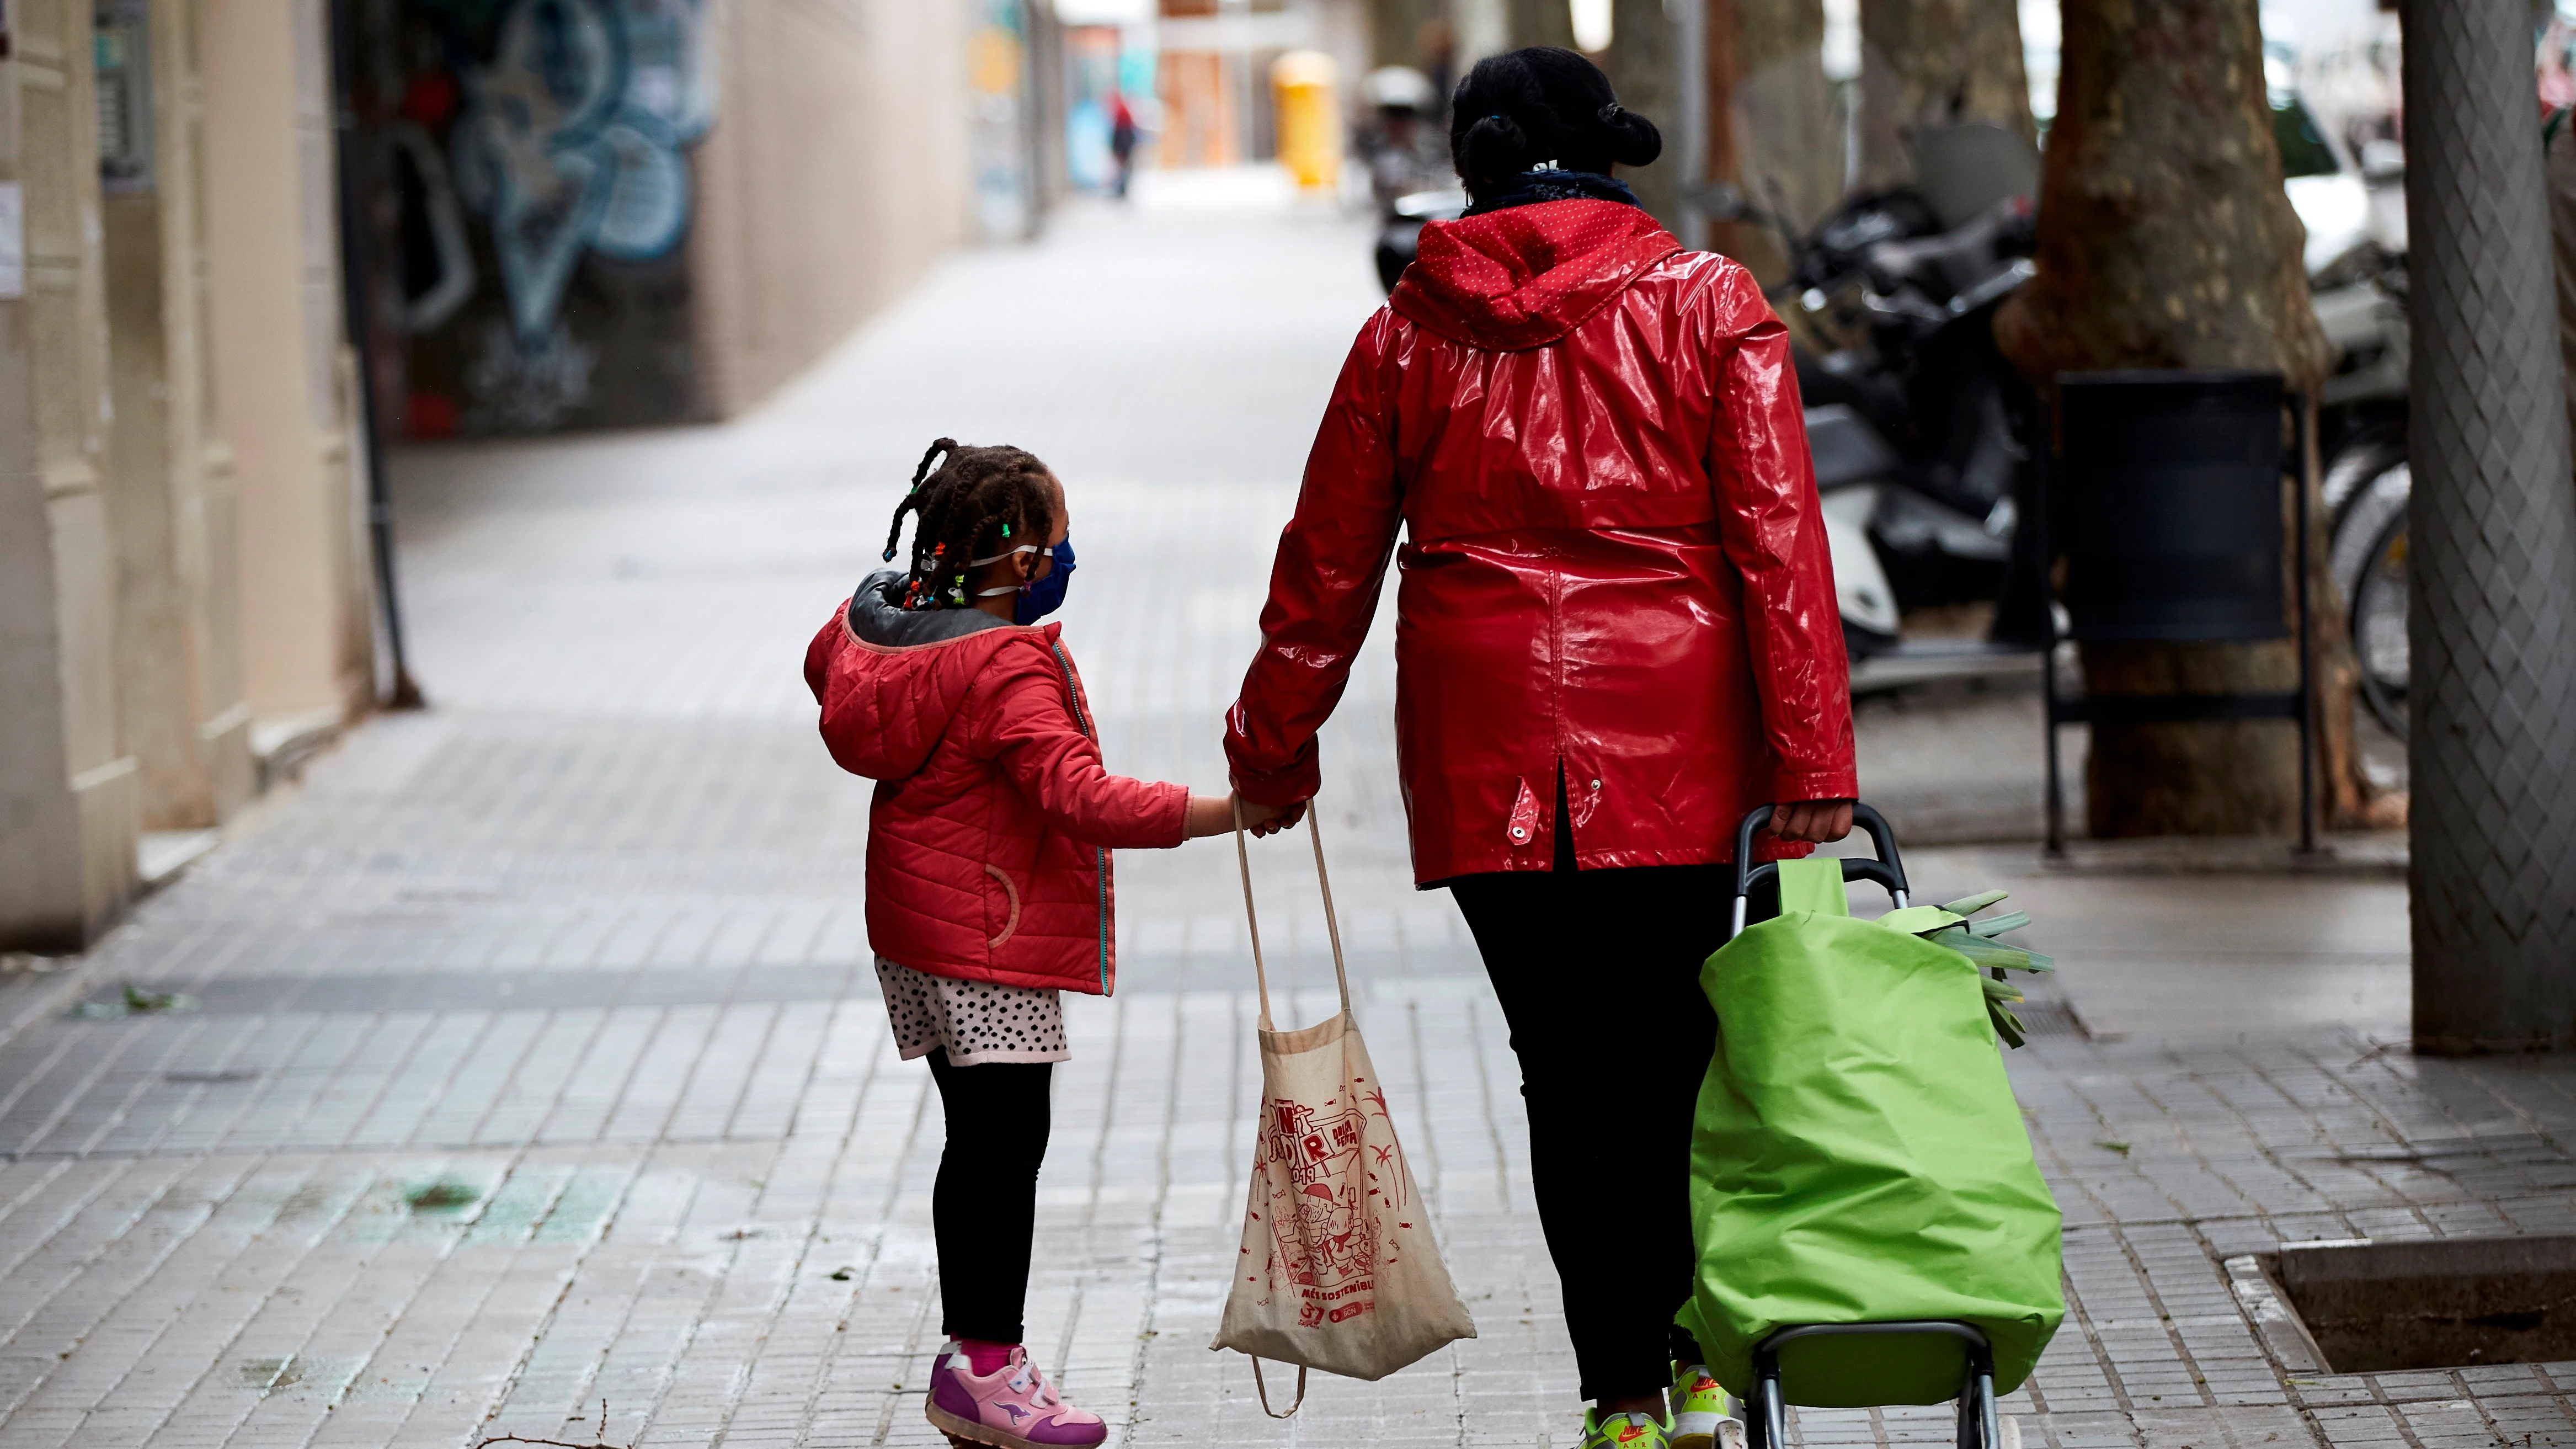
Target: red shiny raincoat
<point>1614,563</point>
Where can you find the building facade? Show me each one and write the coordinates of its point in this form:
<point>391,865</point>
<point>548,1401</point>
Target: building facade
<point>550,214</point>
<point>182,579</point>
<point>619,213</point>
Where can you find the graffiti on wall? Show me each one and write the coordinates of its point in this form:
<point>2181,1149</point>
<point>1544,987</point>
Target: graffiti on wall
<point>571,138</point>
<point>539,139</point>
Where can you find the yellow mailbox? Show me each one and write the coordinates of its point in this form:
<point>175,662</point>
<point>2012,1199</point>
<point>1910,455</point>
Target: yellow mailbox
<point>1303,82</point>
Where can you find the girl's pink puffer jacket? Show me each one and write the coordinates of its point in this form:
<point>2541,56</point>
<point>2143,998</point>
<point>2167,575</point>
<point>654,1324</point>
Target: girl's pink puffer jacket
<point>989,838</point>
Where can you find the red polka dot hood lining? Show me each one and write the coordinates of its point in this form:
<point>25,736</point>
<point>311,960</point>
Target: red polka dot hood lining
<point>1527,275</point>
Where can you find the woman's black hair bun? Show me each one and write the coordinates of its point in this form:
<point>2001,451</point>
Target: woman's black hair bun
<point>1634,141</point>
<point>1491,146</point>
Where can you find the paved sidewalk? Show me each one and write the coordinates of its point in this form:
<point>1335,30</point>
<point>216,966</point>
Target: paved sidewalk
<point>532,1058</point>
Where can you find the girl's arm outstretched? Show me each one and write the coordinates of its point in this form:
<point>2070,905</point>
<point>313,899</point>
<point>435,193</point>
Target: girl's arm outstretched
<point>1058,768</point>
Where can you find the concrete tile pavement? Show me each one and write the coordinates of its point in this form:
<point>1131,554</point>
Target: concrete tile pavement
<point>534,1061</point>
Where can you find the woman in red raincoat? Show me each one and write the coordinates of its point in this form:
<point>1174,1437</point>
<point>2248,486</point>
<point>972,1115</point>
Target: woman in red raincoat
<point>1615,634</point>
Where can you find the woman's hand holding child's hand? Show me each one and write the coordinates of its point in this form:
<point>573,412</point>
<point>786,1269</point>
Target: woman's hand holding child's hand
<point>1214,815</point>
<point>1271,819</point>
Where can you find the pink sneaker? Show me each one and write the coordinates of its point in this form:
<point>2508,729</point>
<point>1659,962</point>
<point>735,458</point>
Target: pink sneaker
<point>1014,1408</point>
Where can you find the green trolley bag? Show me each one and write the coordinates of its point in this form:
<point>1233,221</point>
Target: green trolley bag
<point>1858,1163</point>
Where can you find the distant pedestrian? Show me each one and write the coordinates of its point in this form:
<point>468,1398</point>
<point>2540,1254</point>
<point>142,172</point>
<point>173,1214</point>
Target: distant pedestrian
<point>1615,635</point>
<point>1122,143</point>
<point>988,881</point>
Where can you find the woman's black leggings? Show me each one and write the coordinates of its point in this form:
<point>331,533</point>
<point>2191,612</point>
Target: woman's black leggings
<point>1598,975</point>
<point>984,1208</point>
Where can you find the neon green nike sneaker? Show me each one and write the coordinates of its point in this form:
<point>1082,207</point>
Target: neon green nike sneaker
<point>1703,1416</point>
<point>1624,1431</point>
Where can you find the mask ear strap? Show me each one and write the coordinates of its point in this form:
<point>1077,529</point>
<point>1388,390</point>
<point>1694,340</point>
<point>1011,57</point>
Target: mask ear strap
<point>1022,586</point>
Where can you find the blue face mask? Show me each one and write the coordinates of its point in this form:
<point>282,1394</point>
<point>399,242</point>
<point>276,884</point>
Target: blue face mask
<point>1046,595</point>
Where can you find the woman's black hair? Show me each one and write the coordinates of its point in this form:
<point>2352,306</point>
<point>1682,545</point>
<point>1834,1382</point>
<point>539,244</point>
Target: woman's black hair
<point>1542,105</point>
<point>981,501</point>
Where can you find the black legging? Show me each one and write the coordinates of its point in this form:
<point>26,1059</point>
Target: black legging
<point>1598,975</point>
<point>984,1206</point>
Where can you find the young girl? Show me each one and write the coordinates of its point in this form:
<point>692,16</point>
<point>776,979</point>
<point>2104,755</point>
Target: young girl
<point>988,885</point>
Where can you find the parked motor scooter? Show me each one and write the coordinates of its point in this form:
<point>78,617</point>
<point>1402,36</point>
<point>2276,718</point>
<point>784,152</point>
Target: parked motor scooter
<point>1399,233</point>
<point>2358,283</point>
<point>2346,190</point>
<point>1407,159</point>
<point>1915,420</point>
<point>2367,484</point>
<point>1400,142</point>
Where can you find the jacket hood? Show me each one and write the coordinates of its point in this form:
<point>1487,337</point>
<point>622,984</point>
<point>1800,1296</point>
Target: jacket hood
<point>1527,275</point>
<point>879,622</point>
<point>913,677</point>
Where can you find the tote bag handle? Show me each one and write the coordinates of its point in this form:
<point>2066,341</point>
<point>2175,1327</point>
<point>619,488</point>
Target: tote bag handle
<point>1252,917</point>
<point>1261,978</point>
<point>1263,1390</point>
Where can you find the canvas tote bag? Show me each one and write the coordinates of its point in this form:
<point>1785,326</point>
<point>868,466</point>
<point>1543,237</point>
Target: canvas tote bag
<point>1338,1270</point>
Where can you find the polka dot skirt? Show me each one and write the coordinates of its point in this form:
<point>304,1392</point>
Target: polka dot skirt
<point>976,1021</point>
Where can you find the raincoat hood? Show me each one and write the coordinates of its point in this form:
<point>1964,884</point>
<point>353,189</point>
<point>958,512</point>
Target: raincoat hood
<point>917,670</point>
<point>1526,276</point>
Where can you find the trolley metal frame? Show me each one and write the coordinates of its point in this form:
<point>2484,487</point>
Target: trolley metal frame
<point>1766,1415</point>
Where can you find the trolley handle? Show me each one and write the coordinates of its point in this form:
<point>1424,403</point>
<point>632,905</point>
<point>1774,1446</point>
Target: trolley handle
<point>1887,870</point>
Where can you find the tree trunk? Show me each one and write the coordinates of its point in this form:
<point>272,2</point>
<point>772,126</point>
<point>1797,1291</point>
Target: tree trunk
<point>1927,62</point>
<point>1771,121</point>
<point>2165,241</point>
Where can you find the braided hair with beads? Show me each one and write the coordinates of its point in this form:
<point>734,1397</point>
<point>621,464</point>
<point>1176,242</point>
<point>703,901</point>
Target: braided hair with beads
<point>980,502</point>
